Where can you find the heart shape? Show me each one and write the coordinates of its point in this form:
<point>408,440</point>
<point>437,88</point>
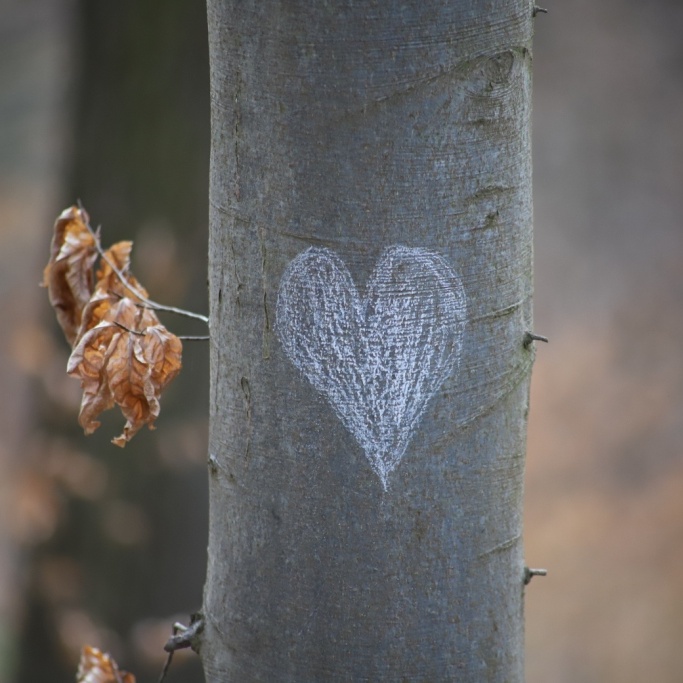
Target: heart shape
<point>379,359</point>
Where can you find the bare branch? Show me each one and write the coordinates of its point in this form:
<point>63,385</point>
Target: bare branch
<point>152,304</point>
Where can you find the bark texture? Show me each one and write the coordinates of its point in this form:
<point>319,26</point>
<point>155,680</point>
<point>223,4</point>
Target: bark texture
<point>353,128</point>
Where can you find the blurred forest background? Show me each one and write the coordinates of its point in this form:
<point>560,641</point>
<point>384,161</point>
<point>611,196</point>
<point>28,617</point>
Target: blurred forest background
<point>108,102</point>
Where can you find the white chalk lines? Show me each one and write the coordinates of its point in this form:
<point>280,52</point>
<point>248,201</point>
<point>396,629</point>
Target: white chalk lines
<point>378,359</point>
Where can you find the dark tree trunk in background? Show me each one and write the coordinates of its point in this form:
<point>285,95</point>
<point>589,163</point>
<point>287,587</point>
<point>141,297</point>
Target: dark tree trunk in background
<point>35,74</point>
<point>371,282</point>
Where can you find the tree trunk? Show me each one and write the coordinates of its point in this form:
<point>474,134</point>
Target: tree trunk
<point>371,281</point>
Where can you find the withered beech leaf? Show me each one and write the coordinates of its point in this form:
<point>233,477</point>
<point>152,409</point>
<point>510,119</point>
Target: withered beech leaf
<point>109,291</point>
<point>96,666</point>
<point>122,353</point>
<point>68,274</point>
<point>126,359</point>
<point>96,310</point>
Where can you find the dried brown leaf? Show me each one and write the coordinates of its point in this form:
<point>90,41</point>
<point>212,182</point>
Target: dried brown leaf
<point>98,667</point>
<point>96,310</point>
<point>110,290</point>
<point>68,274</point>
<point>126,359</point>
<point>121,352</point>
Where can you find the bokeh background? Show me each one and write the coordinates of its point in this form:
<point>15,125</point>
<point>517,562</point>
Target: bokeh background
<point>108,102</point>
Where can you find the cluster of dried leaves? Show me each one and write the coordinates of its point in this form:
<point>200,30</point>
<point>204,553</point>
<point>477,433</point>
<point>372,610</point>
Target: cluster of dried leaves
<point>122,353</point>
<point>98,667</point>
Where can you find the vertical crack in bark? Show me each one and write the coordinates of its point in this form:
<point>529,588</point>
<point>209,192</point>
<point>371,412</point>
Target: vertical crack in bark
<point>239,284</point>
<point>246,390</point>
<point>264,283</point>
<point>237,133</point>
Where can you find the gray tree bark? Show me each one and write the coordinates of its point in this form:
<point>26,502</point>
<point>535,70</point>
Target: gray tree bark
<point>371,282</point>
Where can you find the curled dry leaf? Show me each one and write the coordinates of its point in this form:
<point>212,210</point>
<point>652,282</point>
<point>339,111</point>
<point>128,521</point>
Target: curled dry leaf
<point>131,369</point>
<point>122,353</point>
<point>109,291</point>
<point>98,667</point>
<point>127,358</point>
<point>68,274</point>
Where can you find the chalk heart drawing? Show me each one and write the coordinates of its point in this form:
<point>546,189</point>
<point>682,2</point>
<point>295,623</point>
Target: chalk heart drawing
<point>380,358</point>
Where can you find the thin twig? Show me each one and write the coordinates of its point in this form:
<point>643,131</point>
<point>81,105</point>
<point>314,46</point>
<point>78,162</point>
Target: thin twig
<point>194,338</point>
<point>529,574</point>
<point>182,638</point>
<point>167,666</point>
<point>530,337</point>
<point>152,304</point>
<point>176,627</point>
